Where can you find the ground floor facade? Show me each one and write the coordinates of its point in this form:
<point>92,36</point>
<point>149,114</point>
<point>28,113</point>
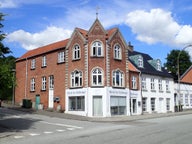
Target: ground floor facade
<point>102,102</point>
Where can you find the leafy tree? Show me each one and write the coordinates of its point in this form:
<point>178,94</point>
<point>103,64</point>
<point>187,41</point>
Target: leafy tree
<point>172,60</point>
<point>7,63</point>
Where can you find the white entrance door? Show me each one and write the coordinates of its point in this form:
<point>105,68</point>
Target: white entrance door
<point>97,106</point>
<point>161,105</point>
<point>51,92</point>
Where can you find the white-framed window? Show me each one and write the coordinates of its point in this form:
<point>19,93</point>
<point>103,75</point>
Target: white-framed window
<point>97,77</point>
<point>186,99</point>
<point>158,65</point>
<point>51,82</point>
<point>97,49</point>
<point>143,83</point>
<point>181,99</point>
<point>76,103</point>
<point>76,79</point>
<point>160,85</point>
<point>118,78</point>
<point>33,62</point>
<point>134,82</point>
<point>32,85</point>
<point>117,52</point>
<point>152,104</point>
<point>191,99</point>
<point>76,52</point>
<point>167,85</point>
<point>168,104</point>
<point>43,85</point>
<point>61,57</point>
<point>144,104</point>
<point>152,84</point>
<point>140,61</point>
<point>44,61</point>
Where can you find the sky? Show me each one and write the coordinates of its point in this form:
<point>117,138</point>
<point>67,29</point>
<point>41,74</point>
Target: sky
<point>154,27</point>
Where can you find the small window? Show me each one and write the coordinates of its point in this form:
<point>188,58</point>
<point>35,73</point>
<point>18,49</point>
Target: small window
<point>167,85</point>
<point>140,61</point>
<point>33,62</point>
<point>76,52</point>
<point>76,79</point>
<point>61,57</point>
<point>144,84</point>
<point>97,49</point>
<point>160,85</point>
<point>51,82</point>
<point>158,65</point>
<point>118,78</point>
<point>32,86</point>
<point>134,82</point>
<point>152,84</point>
<point>43,87</point>
<point>117,52</point>
<point>97,77</point>
<point>44,62</point>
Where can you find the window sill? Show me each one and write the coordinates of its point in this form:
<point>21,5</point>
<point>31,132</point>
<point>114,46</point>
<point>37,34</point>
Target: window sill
<point>32,68</point>
<point>32,91</point>
<point>144,90</point>
<point>168,92</point>
<point>76,87</point>
<point>118,59</point>
<point>43,90</point>
<point>97,56</point>
<point>43,66</point>
<point>153,90</point>
<point>160,91</point>
<point>119,87</point>
<point>77,59</point>
<point>60,62</point>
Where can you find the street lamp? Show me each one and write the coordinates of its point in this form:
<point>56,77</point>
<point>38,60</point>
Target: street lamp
<point>178,73</point>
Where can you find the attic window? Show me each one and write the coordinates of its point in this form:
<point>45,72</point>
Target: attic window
<point>158,65</point>
<point>140,61</point>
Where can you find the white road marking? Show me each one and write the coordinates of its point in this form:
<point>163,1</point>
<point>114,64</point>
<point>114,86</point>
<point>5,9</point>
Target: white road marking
<point>34,134</point>
<point>70,129</point>
<point>60,130</point>
<point>47,132</point>
<point>17,137</point>
<point>64,125</point>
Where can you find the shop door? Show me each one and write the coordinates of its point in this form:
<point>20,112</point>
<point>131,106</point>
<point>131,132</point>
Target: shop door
<point>97,106</point>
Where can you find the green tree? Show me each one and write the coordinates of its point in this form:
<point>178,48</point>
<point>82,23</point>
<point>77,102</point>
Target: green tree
<point>7,64</point>
<point>172,59</point>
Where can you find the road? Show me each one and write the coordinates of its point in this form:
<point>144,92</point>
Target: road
<point>22,128</point>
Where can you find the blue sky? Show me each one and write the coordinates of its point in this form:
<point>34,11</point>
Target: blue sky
<point>154,27</point>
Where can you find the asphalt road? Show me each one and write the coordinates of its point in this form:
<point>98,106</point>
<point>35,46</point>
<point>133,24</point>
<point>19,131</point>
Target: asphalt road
<point>22,128</point>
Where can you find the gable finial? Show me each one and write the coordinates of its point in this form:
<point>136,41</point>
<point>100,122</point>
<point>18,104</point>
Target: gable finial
<point>97,11</point>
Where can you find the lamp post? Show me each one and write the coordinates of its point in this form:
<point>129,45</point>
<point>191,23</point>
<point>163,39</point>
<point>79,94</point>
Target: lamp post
<point>178,73</point>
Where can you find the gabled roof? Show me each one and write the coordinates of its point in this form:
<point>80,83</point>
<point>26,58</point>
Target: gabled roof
<point>187,76</point>
<point>132,68</point>
<point>63,43</point>
<point>147,67</point>
<point>44,49</point>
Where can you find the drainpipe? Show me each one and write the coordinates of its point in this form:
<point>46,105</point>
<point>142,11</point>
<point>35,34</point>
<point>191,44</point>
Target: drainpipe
<point>26,77</point>
<point>140,79</point>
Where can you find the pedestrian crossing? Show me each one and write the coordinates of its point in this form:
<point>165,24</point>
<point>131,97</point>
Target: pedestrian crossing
<point>24,134</point>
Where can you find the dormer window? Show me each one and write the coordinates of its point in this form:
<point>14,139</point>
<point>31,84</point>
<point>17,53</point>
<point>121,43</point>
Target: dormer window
<point>140,61</point>
<point>158,65</point>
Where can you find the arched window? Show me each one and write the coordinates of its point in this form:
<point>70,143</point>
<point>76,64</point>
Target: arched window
<point>97,77</point>
<point>97,49</point>
<point>117,52</point>
<point>76,52</point>
<point>76,79</point>
<point>118,78</point>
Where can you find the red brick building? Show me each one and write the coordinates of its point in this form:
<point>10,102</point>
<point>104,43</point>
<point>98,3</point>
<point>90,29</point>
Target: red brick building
<point>86,74</point>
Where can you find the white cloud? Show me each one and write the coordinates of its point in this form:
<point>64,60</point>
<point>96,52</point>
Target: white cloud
<point>7,4</point>
<point>158,25</point>
<point>33,40</point>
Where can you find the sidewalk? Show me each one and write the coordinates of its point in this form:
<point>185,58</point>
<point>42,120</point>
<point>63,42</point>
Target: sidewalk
<point>96,119</point>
